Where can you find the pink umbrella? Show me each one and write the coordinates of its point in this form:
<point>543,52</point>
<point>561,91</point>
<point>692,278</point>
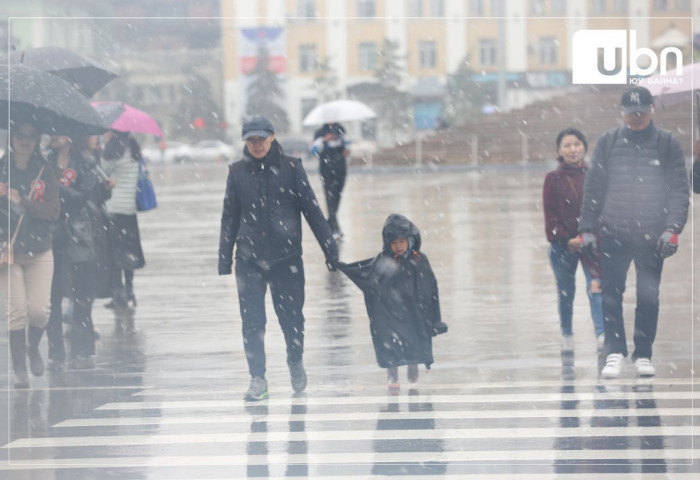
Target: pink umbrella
<point>125,118</point>
<point>669,89</point>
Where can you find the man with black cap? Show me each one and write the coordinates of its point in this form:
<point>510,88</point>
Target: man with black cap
<point>266,193</point>
<point>636,191</point>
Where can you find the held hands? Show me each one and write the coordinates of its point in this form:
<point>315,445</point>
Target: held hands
<point>589,243</point>
<point>668,244</point>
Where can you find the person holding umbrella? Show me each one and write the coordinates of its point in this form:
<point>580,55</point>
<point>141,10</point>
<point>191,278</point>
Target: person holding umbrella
<point>77,236</point>
<point>29,206</point>
<point>266,193</point>
<point>331,149</point>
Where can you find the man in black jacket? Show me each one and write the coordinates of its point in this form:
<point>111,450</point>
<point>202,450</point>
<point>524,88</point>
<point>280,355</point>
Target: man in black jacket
<point>636,190</point>
<point>266,193</point>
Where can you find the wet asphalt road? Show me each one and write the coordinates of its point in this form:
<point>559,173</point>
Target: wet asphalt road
<point>165,401</point>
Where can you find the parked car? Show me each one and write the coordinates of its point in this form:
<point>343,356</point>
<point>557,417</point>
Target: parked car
<point>175,152</point>
<point>212,151</point>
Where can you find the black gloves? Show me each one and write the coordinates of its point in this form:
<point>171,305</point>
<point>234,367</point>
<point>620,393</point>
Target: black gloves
<point>667,244</point>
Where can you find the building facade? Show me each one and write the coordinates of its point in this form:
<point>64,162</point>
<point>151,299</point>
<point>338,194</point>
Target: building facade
<point>434,37</point>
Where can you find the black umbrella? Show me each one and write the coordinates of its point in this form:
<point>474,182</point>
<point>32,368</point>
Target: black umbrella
<point>83,73</point>
<point>48,102</point>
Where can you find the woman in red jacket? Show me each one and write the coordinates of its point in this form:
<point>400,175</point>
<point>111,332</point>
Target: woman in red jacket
<point>561,199</point>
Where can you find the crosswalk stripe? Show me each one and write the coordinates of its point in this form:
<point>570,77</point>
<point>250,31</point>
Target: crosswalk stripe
<point>532,457</point>
<point>655,382</point>
<point>585,415</point>
<point>349,435</point>
<point>358,400</point>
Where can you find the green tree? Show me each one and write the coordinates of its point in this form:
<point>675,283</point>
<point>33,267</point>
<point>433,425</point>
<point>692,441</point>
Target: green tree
<point>326,82</point>
<point>265,93</point>
<point>394,105</point>
<point>198,115</point>
<point>465,98</point>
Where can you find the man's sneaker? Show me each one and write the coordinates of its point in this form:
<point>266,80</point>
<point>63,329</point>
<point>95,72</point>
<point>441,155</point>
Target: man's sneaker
<point>613,365</point>
<point>600,343</point>
<point>567,343</point>
<point>298,376</point>
<point>257,390</point>
<point>644,367</point>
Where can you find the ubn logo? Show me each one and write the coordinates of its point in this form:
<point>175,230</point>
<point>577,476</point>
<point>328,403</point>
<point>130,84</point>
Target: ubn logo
<point>595,55</point>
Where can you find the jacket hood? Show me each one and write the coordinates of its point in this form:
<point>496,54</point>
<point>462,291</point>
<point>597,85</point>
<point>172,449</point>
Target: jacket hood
<point>398,226</point>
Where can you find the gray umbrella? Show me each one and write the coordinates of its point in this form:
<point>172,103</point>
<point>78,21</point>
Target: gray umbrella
<point>54,106</point>
<point>83,73</point>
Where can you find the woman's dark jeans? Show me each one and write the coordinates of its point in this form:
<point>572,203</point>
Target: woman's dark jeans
<point>564,263</point>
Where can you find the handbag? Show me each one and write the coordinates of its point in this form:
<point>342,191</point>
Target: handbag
<point>7,249</point>
<point>145,193</point>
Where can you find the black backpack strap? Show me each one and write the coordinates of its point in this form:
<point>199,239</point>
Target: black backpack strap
<point>610,137</point>
<point>664,145</point>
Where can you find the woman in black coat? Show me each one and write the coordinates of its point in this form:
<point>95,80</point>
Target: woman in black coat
<point>79,270</point>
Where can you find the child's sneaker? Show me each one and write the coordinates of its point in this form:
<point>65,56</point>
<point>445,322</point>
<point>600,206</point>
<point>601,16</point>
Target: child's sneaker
<point>412,373</point>
<point>257,390</point>
<point>392,377</point>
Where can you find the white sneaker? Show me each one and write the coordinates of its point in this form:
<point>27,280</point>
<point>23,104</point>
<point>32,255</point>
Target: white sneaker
<point>644,367</point>
<point>567,343</point>
<point>600,342</point>
<point>613,365</point>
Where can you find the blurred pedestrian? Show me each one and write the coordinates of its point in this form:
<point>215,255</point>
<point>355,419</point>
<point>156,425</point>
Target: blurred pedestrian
<point>266,193</point>
<point>29,206</point>
<point>561,199</point>
<point>77,235</point>
<point>401,296</point>
<point>331,148</point>
<point>121,156</point>
<point>636,188</point>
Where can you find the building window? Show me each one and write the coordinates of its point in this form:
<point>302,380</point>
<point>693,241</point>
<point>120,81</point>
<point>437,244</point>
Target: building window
<point>660,5</point>
<point>620,6</point>
<point>307,57</point>
<point>487,52</point>
<point>307,104</point>
<point>365,8</point>
<point>427,55</point>
<point>476,8</point>
<point>558,7</point>
<point>437,8</point>
<point>682,5</point>
<point>538,7</point>
<point>598,6</point>
<point>548,50</point>
<point>368,56</point>
<point>415,8</point>
<point>306,8</point>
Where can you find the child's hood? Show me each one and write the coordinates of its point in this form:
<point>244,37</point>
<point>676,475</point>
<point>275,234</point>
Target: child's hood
<point>398,226</point>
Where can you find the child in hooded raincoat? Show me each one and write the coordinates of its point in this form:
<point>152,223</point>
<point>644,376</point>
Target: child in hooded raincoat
<point>401,296</point>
